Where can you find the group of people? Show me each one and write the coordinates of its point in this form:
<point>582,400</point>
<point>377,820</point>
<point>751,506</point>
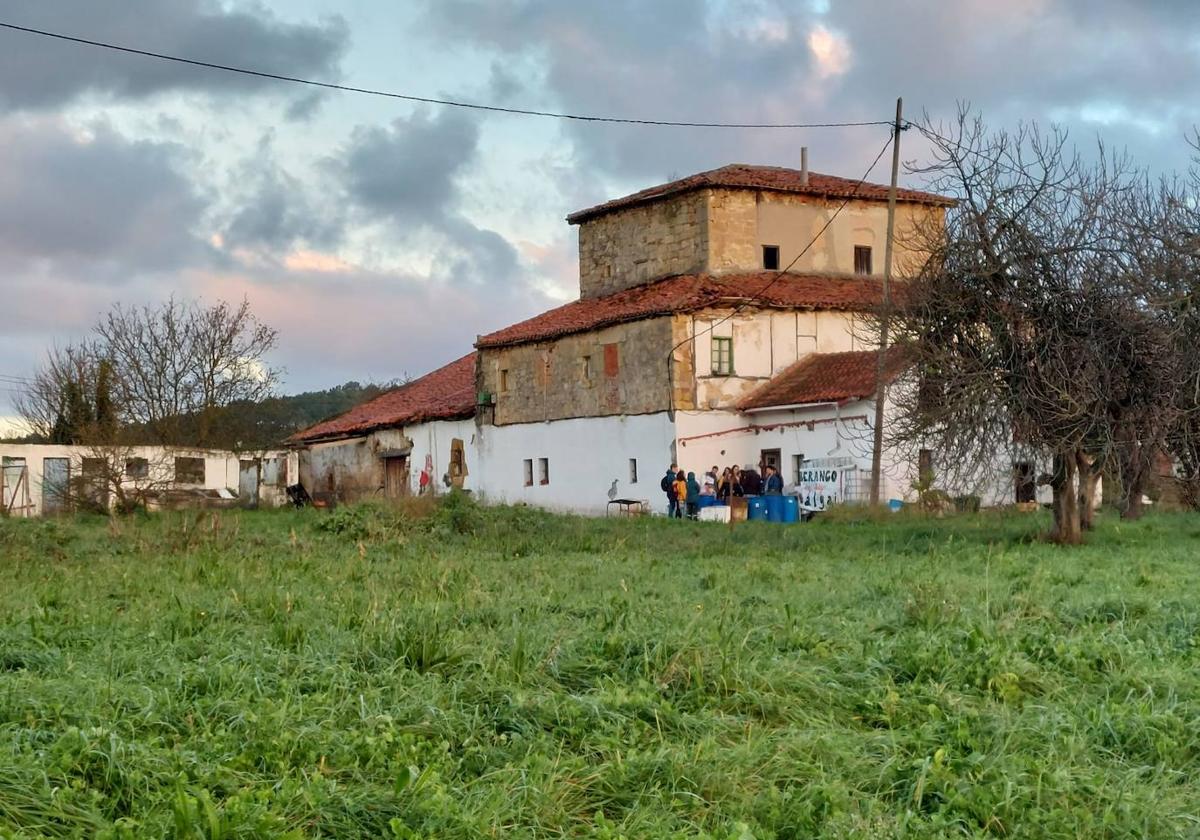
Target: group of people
<point>684,490</point>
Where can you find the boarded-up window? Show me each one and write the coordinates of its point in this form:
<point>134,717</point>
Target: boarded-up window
<point>612,360</point>
<point>137,468</point>
<point>458,463</point>
<point>189,470</point>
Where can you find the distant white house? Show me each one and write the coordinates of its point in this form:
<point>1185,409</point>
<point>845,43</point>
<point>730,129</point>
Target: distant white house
<point>38,479</point>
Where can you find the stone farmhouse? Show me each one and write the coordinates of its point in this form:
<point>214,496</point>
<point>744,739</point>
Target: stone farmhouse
<point>686,345</point>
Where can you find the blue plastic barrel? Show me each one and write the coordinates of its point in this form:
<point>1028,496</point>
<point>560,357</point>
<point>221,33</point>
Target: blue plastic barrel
<point>791,509</point>
<point>756,508</point>
<point>774,508</point>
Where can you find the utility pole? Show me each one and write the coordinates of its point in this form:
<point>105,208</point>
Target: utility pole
<point>886,313</point>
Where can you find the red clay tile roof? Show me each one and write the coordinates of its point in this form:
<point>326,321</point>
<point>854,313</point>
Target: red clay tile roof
<point>770,178</point>
<point>692,292</point>
<point>445,394</point>
<point>826,377</point>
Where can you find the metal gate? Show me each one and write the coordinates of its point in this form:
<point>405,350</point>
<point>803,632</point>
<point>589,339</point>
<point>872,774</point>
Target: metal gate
<point>14,487</point>
<point>56,485</point>
<point>248,482</point>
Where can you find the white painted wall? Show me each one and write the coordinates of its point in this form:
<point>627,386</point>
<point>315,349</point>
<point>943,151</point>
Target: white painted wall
<point>434,439</point>
<point>584,454</point>
<point>765,343</point>
<point>220,468</point>
<point>728,438</point>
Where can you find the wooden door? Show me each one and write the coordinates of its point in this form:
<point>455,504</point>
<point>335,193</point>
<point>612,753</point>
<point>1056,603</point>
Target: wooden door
<point>395,477</point>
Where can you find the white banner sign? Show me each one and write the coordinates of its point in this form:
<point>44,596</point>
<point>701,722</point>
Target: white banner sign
<point>820,487</point>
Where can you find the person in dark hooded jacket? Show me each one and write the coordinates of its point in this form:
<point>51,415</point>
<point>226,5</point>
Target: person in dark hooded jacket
<point>693,496</point>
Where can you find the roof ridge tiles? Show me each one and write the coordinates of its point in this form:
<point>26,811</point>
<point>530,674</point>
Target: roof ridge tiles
<point>761,177</point>
<point>682,293</point>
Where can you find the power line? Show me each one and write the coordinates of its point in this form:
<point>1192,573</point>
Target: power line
<point>528,112</point>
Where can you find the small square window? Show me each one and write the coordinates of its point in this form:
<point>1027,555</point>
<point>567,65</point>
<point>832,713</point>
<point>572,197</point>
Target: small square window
<point>136,468</point>
<point>528,472</point>
<point>189,470</point>
<point>771,257</point>
<point>543,470</point>
<point>862,259</point>
<point>722,356</point>
<point>633,470</point>
<point>504,381</point>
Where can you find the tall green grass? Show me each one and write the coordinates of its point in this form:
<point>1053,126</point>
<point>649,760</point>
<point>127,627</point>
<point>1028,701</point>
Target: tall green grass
<point>454,672</point>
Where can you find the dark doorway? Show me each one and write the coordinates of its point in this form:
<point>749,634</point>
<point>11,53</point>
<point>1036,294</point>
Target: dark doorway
<point>768,458</point>
<point>1025,481</point>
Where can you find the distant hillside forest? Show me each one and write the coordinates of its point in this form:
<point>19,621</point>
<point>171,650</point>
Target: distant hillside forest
<point>248,425</point>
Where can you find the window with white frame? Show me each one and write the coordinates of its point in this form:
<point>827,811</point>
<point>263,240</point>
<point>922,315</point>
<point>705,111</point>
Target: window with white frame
<point>543,470</point>
<point>528,472</point>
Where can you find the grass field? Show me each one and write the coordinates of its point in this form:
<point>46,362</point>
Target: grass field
<point>508,673</point>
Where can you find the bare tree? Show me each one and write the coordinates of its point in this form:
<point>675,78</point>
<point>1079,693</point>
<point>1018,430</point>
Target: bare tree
<point>168,368</point>
<point>1018,321</point>
<point>60,398</point>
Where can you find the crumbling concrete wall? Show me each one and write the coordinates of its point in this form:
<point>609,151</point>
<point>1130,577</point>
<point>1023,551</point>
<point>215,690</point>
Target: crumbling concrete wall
<point>350,469</point>
<point>616,370</point>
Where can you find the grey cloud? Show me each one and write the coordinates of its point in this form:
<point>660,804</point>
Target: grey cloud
<point>750,61</point>
<point>408,170</point>
<point>410,174</point>
<point>276,209</point>
<point>98,200</point>
<point>36,73</point>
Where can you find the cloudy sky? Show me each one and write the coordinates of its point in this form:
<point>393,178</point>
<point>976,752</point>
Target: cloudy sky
<point>379,237</point>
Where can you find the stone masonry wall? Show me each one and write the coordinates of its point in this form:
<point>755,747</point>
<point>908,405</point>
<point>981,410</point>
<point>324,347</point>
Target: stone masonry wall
<point>624,373</point>
<point>722,230</point>
<point>634,246</point>
<point>733,243</point>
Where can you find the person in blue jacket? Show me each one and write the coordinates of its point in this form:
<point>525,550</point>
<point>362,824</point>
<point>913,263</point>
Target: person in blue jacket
<point>773,483</point>
<point>693,496</point>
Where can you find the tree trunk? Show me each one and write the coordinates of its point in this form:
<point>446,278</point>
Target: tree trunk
<point>1136,472</point>
<point>1067,530</point>
<point>1089,481</point>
